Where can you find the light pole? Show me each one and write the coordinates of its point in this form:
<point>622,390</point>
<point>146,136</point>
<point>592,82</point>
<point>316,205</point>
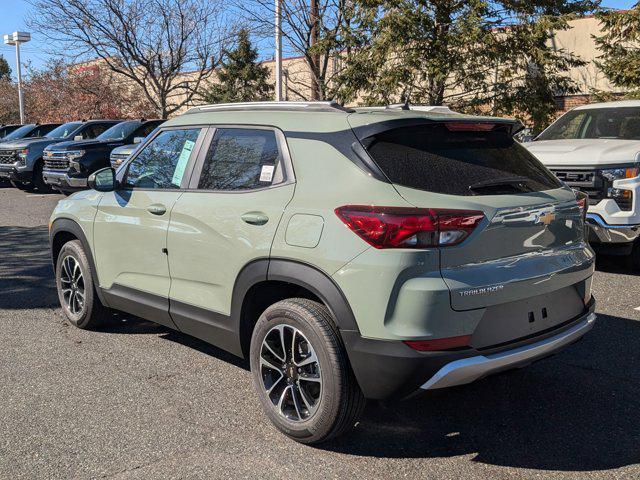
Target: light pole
<point>17,38</point>
<point>278,22</point>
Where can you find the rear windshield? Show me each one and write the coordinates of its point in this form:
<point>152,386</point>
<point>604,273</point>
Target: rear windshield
<point>435,159</point>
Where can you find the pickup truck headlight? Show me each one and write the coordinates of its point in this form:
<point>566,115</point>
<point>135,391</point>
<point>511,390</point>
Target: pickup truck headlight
<point>622,197</point>
<point>22,156</point>
<point>618,173</point>
<point>74,154</point>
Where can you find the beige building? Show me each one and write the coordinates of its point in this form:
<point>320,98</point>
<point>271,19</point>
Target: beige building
<point>579,41</point>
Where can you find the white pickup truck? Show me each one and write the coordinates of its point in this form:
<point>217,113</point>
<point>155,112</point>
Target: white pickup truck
<point>596,149</point>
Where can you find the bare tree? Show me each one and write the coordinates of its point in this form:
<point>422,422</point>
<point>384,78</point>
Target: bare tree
<point>311,30</point>
<point>150,42</point>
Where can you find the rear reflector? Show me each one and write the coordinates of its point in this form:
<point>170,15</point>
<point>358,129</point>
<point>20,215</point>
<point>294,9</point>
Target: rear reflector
<point>398,227</point>
<point>583,202</point>
<point>439,344</point>
<point>469,126</point>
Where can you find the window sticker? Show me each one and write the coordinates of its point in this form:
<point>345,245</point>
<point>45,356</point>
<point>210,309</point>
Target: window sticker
<point>182,162</point>
<point>266,174</point>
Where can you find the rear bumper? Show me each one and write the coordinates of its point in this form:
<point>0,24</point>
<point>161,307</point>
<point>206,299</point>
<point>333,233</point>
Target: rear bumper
<point>602,232</point>
<point>467,370</point>
<point>62,180</point>
<point>388,370</point>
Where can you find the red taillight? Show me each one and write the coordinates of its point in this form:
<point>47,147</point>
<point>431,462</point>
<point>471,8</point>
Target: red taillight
<point>582,199</point>
<point>439,343</point>
<point>582,203</point>
<point>469,126</point>
<point>397,227</point>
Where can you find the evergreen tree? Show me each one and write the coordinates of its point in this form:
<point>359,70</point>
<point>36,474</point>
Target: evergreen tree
<point>241,78</point>
<point>620,46</point>
<point>5,70</point>
<point>476,56</point>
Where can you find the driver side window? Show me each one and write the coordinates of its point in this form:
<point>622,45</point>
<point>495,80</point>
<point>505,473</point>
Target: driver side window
<point>162,162</point>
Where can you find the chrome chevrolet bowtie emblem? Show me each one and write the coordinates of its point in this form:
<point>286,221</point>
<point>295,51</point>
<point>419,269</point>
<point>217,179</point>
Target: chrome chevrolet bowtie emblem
<point>545,218</point>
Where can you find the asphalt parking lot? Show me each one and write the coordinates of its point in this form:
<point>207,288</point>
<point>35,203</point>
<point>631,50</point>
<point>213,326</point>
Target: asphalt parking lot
<point>136,400</point>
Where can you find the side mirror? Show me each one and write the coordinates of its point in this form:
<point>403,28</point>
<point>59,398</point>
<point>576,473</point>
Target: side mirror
<point>77,138</point>
<point>138,139</point>
<point>104,180</point>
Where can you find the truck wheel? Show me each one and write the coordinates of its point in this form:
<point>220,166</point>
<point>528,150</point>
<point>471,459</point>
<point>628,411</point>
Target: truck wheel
<point>76,291</point>
<point>38,180</point>
<point>301,372</point>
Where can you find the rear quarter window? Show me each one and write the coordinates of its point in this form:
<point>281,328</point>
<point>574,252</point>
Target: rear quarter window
<point>433,158</point>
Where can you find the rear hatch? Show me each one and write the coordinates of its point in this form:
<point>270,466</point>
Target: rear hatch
<point>530,242</point>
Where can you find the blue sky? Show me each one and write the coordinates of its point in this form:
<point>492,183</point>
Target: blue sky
<point>14,12</point>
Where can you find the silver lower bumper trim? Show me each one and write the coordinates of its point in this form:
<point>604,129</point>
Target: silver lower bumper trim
<point>77,182</point>
<point>470,369</point>
<point>63,179</point>
<point>602,232</point>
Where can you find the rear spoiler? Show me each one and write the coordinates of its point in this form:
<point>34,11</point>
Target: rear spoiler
<point>512,126</point>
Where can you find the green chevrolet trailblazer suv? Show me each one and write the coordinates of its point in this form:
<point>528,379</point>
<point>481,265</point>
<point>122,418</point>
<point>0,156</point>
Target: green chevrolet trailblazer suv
<point>348,254</point>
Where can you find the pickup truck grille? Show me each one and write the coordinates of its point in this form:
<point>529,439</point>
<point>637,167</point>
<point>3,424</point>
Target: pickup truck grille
<point>7,157</point>
<point>594,184</point>
<point>587,181</point>
<point>56,161</point>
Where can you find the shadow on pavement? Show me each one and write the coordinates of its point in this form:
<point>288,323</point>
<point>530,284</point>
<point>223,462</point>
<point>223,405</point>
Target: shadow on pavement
<point>576,411</point>
<point>615,264</point>
<point>26,275</point>
<point>129,325</point>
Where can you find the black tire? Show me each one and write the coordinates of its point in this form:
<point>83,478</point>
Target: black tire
<point>92,313</point>
<point>38,180</point>
<point>339,401</point>
<point>20,185</point>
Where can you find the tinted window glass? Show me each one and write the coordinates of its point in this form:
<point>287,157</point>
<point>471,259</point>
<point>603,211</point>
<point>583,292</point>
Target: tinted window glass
<point>162,163</point>
<point>21,132</point>
<point>617,123</point>
<point>94,130</point>
<point>64,130</point>
<point>119,131</point>
<point>146,129</point>
<point>435,159</point>
<point>42,130</point>
<point>240,159</point>
<point>4,131</point>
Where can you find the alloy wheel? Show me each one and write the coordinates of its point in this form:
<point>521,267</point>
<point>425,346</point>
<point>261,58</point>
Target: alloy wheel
<point>72,285</point>
<point>290,372</point>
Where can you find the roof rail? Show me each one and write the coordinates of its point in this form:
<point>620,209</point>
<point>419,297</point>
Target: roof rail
<point>279,106</point>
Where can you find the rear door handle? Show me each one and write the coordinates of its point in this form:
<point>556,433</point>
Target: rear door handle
<point>255,218</point>
<point>157,209</point>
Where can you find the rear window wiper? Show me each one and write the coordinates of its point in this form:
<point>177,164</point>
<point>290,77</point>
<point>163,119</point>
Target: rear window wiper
<point>517,183</point>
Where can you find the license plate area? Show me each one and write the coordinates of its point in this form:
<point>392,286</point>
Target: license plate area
<point>508,322</point>
<point>52,180</point>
